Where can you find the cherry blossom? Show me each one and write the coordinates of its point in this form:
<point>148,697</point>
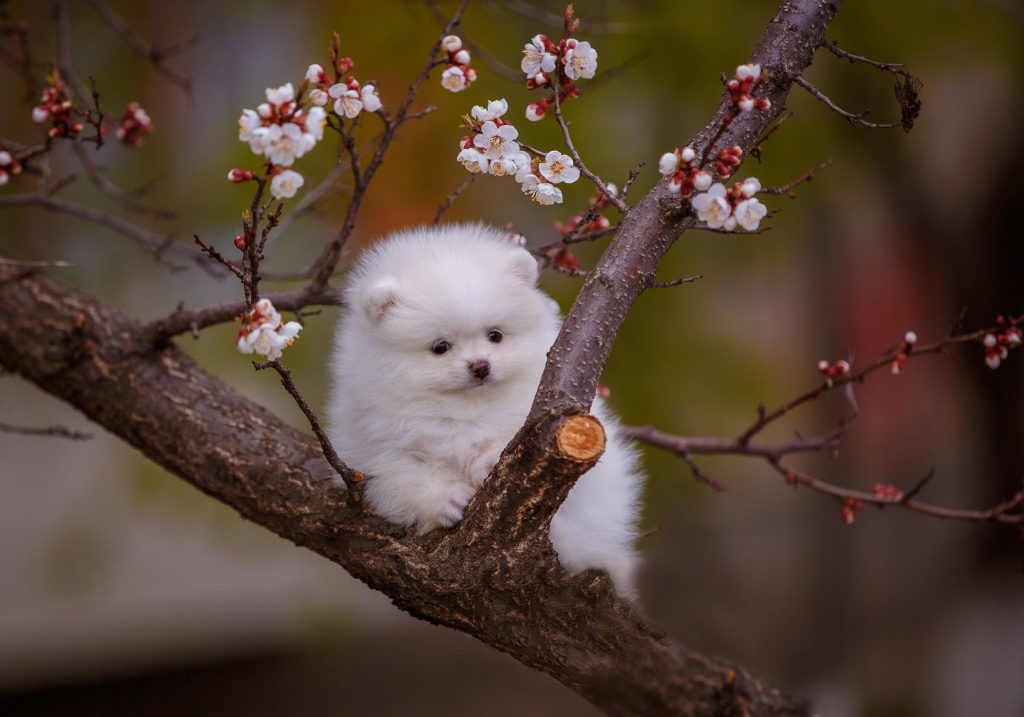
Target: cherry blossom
<point>286,184</point>
<point>453,79</point>
<point>494,110</point>
<point>541,192</point>
<point>711,207</point>
<point>473,160</point>
<point>580,60</point>
<point>749,213</point>
<point>316,118</point>
<point>451,43</point>
<point>347,102</point>
<point>316,75</point>
<point>370,98</point>
<point>557,167</point>
<point>278,96</point>
<point>497,142</point>
<point>319,97</point>
<point>536,56</point>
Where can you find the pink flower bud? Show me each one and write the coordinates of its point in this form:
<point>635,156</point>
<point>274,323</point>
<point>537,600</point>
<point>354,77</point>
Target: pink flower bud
<point>687,154</point>
<point>910,338</point>
<point>451,43</point>
<point>989,341</point>
<point>239,175</point>
<point>461,57</point>
<point>535,112</point>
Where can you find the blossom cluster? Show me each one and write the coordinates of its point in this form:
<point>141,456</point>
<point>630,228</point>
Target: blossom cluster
<point>458,75</point>
<point>281,130</point>
<point>134,126</point>
<point>900,359</point>
<point>849,509</point>
<point>55,107</point>
<point>264,333</point>
<point>726,209</point>
<point>998,344</point>
<point>350,97</point>
<point>492,149</point>
<point>8,166</point>
<point>569,60</point>
<point>834,370</point>
<point>740,89</point>
<point>686,176</point>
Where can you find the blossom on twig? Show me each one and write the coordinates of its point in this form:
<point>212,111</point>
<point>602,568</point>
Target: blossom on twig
<point>263,332</point>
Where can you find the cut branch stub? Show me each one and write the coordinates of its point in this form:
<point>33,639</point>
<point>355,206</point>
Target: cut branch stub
<point>581,438</point>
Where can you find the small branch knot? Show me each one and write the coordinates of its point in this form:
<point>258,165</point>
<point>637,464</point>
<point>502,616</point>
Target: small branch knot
<point>581,438</point>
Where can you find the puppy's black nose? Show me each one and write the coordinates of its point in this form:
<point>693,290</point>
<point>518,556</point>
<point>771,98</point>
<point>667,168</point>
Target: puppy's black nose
<point>481,369</point>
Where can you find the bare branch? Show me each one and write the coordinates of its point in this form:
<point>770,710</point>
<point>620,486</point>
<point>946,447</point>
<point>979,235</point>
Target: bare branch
<point>853,119</point>
<point>152,242</point>
<point>616,201</point>
<point>450,199</point>
<point>126,199</point>
<point>353,479</point>
<point>897,68</point>
<point>787,188</point>
<point>48,431</point>
<point>156,56</point>
<point>675,282</point>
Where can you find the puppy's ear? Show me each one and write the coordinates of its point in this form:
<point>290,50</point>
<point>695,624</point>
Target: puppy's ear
<point>525,267</point>
<point>379,298</point>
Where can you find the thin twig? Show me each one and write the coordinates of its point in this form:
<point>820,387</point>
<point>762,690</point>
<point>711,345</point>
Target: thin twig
<point>616,201</point>
<point>126,199</point>
<point>675,282</point>
<point>217,256</point>
<point>853,119</point>
<point>156,56</point>
<point>787,188</point>
<point>450,199</point>
<point>28,264</point>
<point>353,479</point>
<point>893,67</point>
<point>48,431</point>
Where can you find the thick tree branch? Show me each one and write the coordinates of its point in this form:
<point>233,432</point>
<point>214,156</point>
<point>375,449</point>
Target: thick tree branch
<point>494,577</point>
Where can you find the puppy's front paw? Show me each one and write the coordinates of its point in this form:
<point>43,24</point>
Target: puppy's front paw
<point>453,501</point>
<point>483,466</point>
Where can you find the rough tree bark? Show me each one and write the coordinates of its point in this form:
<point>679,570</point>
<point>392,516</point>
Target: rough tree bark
<point>494,576</point>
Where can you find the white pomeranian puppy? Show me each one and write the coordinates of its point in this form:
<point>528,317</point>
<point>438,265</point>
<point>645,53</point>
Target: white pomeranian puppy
<point>436,362</point>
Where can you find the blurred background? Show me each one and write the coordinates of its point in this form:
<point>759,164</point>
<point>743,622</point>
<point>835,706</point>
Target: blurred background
<point>125,591</point>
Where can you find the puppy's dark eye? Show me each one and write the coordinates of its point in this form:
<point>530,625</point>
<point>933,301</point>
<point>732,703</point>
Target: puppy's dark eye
<point>494,336</point>
<point>440,347</point>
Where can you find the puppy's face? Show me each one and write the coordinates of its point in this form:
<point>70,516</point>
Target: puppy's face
<point>459,330</point>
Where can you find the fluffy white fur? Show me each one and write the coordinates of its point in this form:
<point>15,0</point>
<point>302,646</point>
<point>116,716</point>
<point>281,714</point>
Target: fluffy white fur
<point>425,427</point>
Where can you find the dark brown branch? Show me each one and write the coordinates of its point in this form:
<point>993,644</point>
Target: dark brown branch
<point>156,56</point>
<point>494,576</point>
<point>309,202</point>
<point>217,256</point>
<point>47,432</point>
<point>854,119</point>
